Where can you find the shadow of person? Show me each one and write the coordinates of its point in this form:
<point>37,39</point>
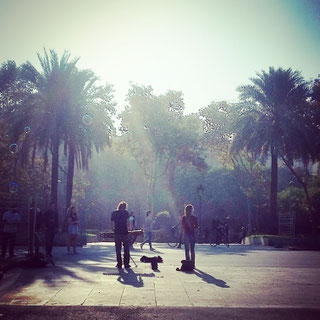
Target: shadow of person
<point>130,278</point>
<point>210,279</point>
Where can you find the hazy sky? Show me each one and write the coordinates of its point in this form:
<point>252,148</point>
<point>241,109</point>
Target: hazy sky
<point>204,48</point>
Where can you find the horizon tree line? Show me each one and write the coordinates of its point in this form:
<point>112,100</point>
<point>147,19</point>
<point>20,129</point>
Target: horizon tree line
<point>66,110</point>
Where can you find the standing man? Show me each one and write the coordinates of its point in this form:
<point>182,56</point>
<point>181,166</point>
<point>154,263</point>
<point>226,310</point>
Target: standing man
<point>120,225</point>
<point>11,220</point>
<point>148,230</point>
<point>189,225</point>
<point>51,224</point>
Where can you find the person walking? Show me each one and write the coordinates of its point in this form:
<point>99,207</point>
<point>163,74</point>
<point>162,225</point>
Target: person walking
<point>148,231</point>
<point>73,229</point>
<point>120,225</point>
<point>11,220</point>
<point>243,234</point>
<point>189,225</point>
<point>51,223</point>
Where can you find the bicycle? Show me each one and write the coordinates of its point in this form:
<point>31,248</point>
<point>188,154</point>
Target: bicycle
<point>221,236</point>
<point>174,237</point>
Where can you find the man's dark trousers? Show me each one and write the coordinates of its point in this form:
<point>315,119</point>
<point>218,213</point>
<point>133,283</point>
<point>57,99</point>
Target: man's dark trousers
<point>119,239</point>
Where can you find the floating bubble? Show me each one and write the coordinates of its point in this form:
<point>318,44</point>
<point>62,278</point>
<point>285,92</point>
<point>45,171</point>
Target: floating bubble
<point>87,119</point>
<point>13,148</point>
<point>13,187</point>
<point>27,129</point>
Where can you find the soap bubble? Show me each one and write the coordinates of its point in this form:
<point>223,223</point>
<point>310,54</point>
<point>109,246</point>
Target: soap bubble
<point>13,187</point>
<point>87,119</point>
<point>13,148</point>
<point>27,129</point>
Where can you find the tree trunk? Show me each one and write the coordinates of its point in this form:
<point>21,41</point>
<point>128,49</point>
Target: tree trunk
<point>70,175</point>
<point>153,186</point>
<point>171,173</point>
<point>274,191</point>
<point>55,169</point>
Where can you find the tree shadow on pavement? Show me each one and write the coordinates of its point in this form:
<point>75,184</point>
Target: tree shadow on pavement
<point>210,279</point>
<point>130,278</point>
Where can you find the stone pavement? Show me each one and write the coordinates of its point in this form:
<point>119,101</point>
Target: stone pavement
<point>239,276</point>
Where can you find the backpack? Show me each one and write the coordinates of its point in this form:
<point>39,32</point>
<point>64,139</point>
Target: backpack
<point>186,266</point>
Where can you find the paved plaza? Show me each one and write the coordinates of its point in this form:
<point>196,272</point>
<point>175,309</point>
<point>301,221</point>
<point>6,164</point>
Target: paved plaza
<point>236,277</point>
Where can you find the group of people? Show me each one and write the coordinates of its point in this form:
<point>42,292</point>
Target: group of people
<point>38,222</point>
<point>121,224</point>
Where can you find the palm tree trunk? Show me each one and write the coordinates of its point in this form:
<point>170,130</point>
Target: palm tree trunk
<point>274,191</point>
<point>70,175</point>
<point>55,169</point>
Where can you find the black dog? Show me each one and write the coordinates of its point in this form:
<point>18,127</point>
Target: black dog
<point>153,260</point>
<point>186,266</point>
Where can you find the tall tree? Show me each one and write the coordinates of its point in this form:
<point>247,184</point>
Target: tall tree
<point>64,104</point>
<point>269,114</point>
<point>159,136</point>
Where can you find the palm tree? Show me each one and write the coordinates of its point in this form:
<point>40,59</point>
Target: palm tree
<point>90,123</point>
<point>271,109</point>
<point>59,97</point>
<point>51,112</point>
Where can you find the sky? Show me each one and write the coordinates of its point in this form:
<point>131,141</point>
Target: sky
<point>204,48</point>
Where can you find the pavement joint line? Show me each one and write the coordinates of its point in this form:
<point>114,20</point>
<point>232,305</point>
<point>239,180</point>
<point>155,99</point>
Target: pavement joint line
<point>121,296</point>
<point>155,294</point>
<point>184,287</point>
<point>89,294</point>
<point>54,295</point>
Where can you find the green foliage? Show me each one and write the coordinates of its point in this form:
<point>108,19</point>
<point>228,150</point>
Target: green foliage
<point>53,103</point>
<point>292,199</point>
<point>160,138</point>
<point>162,155</point>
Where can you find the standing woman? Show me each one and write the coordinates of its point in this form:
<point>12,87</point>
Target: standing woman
<point>189,225</point>
<point>73,229</point>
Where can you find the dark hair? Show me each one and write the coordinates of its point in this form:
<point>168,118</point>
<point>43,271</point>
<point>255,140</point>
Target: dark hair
<point>122,205</point>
